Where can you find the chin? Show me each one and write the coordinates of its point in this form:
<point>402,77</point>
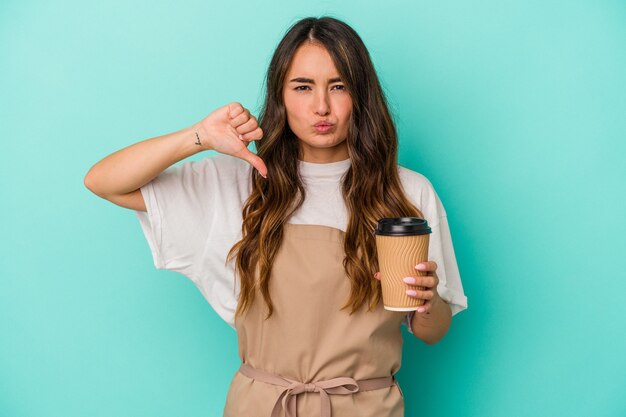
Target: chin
<point>324,141</point>
<point>324,145</point>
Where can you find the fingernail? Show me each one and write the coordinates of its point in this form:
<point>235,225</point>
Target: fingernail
<point>409,280</point>
<point>421,309</point>
<point>411,292</point>
<point>240,137</point>
<point>264,176</point>
<point>420,267</point>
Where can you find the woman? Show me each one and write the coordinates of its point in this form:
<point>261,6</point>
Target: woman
<point>280,243</point>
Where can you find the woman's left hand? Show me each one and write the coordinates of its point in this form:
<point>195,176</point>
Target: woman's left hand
<point>429,281</point>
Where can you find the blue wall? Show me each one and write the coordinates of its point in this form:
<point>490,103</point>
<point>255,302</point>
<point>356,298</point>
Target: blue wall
<point>513,109</point>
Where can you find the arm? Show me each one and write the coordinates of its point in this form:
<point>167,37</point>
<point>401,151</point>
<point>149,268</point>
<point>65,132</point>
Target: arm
<point>432,326</point>
<point>119,176</point>
<point>431,320</point>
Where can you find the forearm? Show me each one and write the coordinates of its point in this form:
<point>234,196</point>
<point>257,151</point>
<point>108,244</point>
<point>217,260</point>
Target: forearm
<point>432,326</point>
<point>130,168</point>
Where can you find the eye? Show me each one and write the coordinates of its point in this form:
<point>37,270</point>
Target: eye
<point>341,87</point>
<point>301,87</point>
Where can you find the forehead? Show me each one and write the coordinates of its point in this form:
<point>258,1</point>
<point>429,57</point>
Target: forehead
<point>312,60</point>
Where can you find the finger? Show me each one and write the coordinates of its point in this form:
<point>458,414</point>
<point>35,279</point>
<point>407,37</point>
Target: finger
<point>422,295</point>
<point>424,308</point>
<point>256,134</point>
<point>240,119</point>
<point>377,275</point>
<point>234,110</point>
<point>426,266</point>
<point>424,281</point>
<point>254,160</point>
<point>248,126</point>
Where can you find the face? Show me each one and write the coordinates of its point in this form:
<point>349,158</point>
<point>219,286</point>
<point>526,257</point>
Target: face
<point>317,104</point>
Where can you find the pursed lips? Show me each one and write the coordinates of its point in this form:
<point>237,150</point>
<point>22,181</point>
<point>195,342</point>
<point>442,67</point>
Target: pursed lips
<point>323,127</point>
<point>322,124</point>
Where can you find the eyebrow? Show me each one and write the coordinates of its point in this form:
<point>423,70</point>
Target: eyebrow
<point>310,81</point>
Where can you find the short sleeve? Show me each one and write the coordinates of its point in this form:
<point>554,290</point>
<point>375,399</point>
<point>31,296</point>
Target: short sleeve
<point>440,248</point>
<point>178,216</point>
<point>193,219</point>
<point>450,288</point>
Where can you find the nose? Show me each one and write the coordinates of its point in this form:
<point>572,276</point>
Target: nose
<point>321,103</point>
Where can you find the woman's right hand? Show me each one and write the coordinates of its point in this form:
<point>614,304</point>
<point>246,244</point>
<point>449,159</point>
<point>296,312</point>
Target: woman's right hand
<point>229,130</point>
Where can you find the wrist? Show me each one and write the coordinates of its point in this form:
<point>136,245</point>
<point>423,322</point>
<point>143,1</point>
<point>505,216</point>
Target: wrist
<point>437,300</point>
<point>437,306</point>
<point>432,325</point>
<point>200,137</point>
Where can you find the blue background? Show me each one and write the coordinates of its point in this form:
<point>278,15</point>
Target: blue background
<point>513,109</point>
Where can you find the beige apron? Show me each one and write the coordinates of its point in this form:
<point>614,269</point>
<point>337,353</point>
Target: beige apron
<point>311,359</point>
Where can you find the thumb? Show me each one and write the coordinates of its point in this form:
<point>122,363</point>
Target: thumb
<point>254,160</point>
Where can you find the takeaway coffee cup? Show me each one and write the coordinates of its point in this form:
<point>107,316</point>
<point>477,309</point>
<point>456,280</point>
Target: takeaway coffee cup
<point>401,243</point>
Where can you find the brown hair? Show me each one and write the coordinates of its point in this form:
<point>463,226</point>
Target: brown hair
<point>371,187</point>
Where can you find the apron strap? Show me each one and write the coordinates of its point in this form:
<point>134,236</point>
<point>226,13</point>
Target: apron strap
<point>335,386</point>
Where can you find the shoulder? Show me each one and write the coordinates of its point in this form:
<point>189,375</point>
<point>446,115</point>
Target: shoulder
<point>414,180</point>
<point>421,192</point>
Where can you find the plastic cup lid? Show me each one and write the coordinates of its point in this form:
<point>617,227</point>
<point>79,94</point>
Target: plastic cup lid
<point>402,226</point>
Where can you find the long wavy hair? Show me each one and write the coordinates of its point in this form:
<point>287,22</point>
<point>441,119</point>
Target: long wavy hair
<point>371,186</point>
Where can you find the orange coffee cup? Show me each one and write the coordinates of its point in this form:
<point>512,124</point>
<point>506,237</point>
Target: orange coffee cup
<point>401,243</point>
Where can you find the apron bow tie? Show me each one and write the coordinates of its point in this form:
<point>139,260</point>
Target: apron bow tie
<point>291,389</point>
<point>335,386</point>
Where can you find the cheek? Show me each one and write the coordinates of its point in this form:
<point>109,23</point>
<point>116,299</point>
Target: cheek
<point>295,120</point>
<point>346,119</point>
<point>344,109</point>
<point>293,109</point>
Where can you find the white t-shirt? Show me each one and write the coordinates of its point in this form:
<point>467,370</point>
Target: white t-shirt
<point>194,217</point>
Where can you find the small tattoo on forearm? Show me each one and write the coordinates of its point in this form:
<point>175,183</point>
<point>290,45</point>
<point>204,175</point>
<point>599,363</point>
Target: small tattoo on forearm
<point>198,139</point>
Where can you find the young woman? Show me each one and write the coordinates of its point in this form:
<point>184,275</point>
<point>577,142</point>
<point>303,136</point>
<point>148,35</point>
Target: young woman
<point>280,243</point>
